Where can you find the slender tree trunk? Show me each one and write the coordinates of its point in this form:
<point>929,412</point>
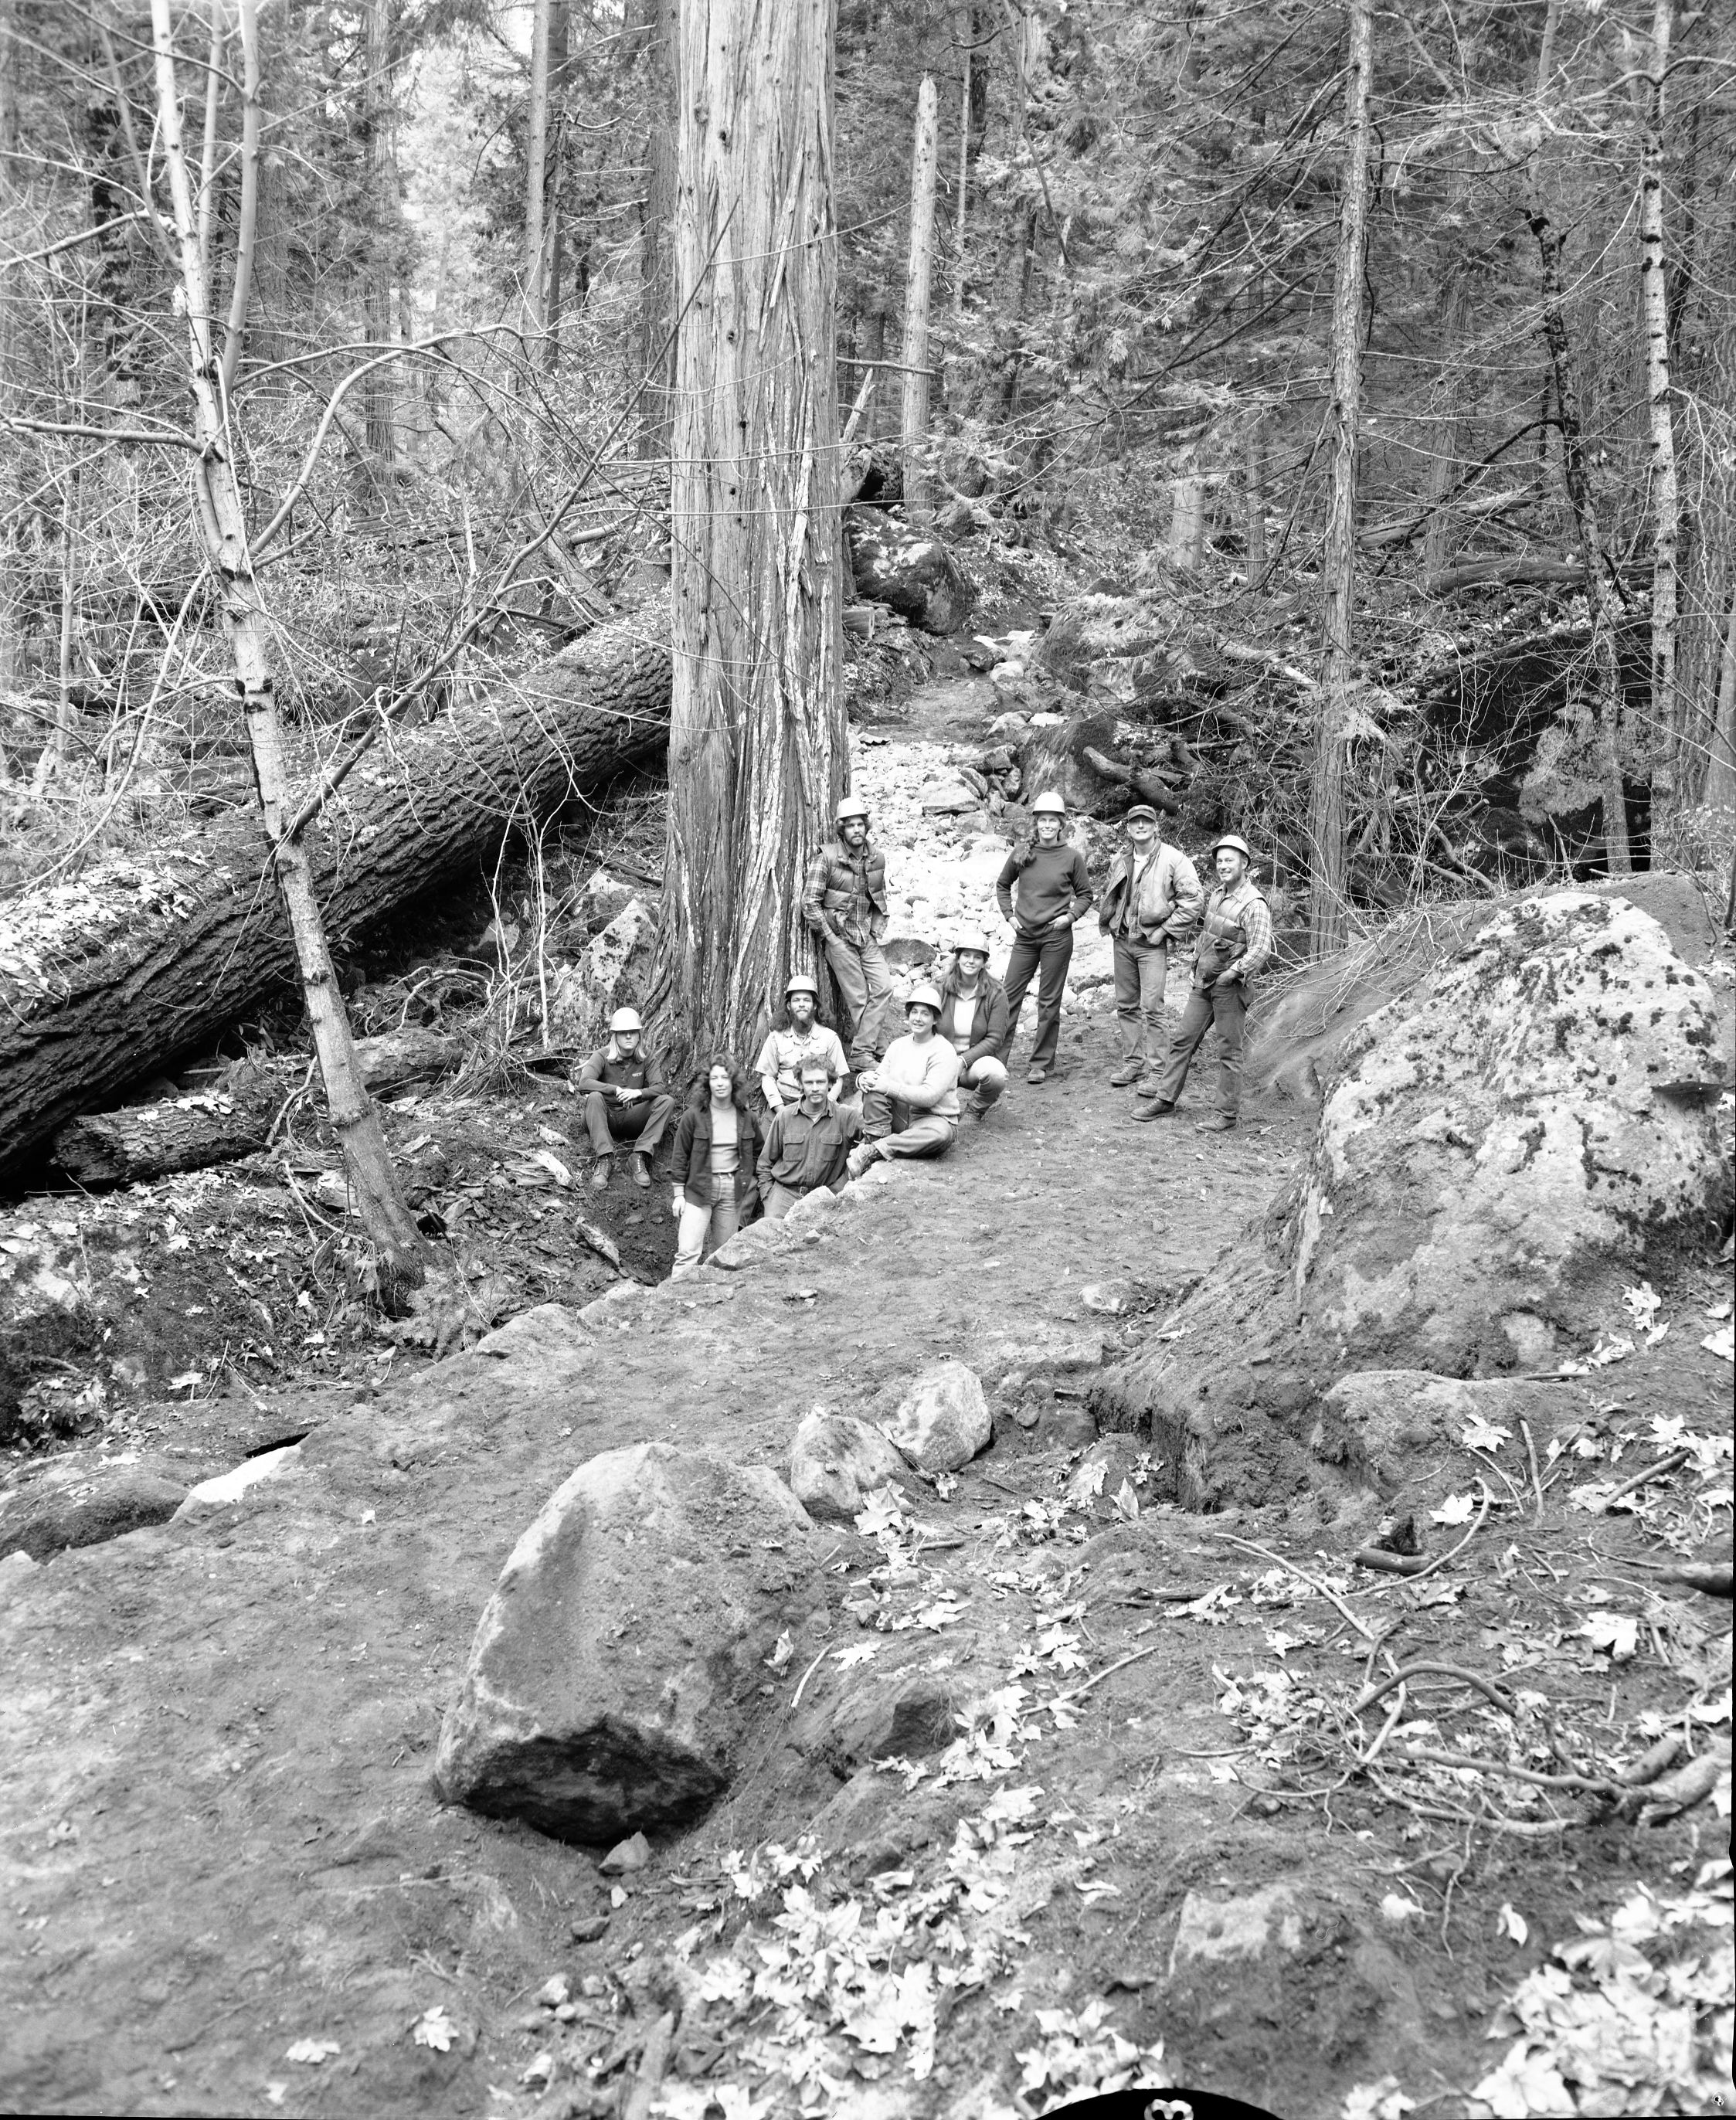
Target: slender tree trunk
<point>918,274</point>
<point>1666,729</point>
<point>379,389</point>
<point>1719,789</point>
<point>1600,584</point>
<point>1254,484</point>
<point>1187,516</point>
<point>355,1119</point>
<point>661,27</point>
<point>1327,920</point>
<point>1444,459</point>
<point>534,267</point>
<point>757,753</point>
<point>961,213</point>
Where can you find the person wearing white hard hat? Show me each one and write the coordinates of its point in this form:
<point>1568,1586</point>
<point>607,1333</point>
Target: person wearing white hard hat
<point>1151,899</point>
<point>625,1099</point>
<point>1235,942</point>
<point>909,1102</point>
<point>1042,890</point>
<point>801,1038</point>
<point>973,1020</point>
<point>844,902</point>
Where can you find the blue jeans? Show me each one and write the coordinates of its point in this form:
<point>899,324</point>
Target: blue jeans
<point>860,970</point>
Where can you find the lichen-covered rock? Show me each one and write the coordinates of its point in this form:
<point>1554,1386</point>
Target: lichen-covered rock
<point>916,575</point>
<point>943,1421</point>
<point>1502,1150</point>
<point>835,1461</point>
<point>1538,1114</point>
<point>619,1663</point>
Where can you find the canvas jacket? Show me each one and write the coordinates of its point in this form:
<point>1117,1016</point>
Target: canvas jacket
<point>845,894</point>
<point>690,1163</point>
<point>1170,896</point>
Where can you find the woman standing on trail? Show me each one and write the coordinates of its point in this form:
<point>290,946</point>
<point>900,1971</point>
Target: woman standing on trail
<point>717,1145</point>
<point>1042,890</point>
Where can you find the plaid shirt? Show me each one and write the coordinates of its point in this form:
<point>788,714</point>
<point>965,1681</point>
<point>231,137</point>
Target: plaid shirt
<point>1240,907</point>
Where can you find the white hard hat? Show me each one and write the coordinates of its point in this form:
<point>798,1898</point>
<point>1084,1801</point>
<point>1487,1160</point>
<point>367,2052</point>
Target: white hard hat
<point>969,938</point>
<point>800,982</point>
<point>923,996</point>
<point>1235,843</point>
<point>626,1019</point>
<point>852,805</point>
<point>1049,804</point>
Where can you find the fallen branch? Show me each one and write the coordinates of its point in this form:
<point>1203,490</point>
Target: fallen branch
<point>598,1241</point>
<point>1301,1575</point>
<point>1061,1699</point>
<point>1664,1465</point>
<point>1485,1687</point>
<point>1537,1477</point>
<point>1594,1785</point>
<point>1441,1559</point>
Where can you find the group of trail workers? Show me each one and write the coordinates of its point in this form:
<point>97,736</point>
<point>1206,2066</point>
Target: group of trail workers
<point>827,1108</point>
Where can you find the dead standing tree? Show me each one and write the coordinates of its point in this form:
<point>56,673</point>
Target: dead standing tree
<point>756,744</point>
<point>403,1252</point>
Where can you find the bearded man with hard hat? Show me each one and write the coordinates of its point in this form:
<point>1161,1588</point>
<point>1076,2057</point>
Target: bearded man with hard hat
<point>1234,944</point>
<point>1151,899</point>
<point>909,1102</point>
<point>625,1099</point>
<point>801,1038</point>
<point>844,902</point>
<point>973,1020</point>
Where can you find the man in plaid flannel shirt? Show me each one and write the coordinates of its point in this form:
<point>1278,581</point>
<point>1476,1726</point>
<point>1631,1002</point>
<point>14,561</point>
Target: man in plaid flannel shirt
<point>1235,942</point>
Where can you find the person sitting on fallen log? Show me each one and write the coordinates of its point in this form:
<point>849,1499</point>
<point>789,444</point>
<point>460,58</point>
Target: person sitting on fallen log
<point>1235,942</point>
<point>808,1145</point>
<point>973,1020</point>
<point>786,1052</point>
<point>909,1102</point>
<point>717,1143</point>
<point>625,1099</point>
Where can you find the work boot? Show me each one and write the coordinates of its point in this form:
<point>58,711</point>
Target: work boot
<point>1219,1122</point>
<point>599,1174</point>
<point>1153,1108</point>
<point>1128,1072</point>
<point>641,1167</point>
<point>1036,1074</point>
<point>860,1157</point>
<point>974,1108</point>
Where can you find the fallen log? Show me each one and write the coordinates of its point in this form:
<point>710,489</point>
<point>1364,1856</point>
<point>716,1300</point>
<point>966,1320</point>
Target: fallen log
<point>146,957</point>
<point>223,1124</point>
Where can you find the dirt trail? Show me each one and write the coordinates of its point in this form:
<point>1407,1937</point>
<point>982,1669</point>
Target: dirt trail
<point>220,1838</point>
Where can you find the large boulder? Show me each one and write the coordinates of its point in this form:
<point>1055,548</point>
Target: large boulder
<point>80,1500</point>
<point>618,1665</point>
<point>1502,1152</point>
<point>943,1421</point>
<point>916,575</point>
<point>612,971</point>
<point>836,1461</point>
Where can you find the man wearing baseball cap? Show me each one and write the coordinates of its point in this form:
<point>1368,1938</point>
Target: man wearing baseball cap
<point>973,1020</point>
<point>1235,942</point>
<point>909,1103</point>
<point>801,1038</point>
<point>844,902</point>
<point>1151,899</point>
<point>625,1098</point>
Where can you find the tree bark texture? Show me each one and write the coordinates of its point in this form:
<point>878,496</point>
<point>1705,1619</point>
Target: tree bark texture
<point>1719,789</point>
<point>379,387</point>
<point>757,754</point>
<point>1327,921</point>
<point>534,269</point>
<point>918,281</point>
<point>657,235</point>
<point>1666,729</point>
<point>144,958</point>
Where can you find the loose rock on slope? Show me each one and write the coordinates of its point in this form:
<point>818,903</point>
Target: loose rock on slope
<point>616,1668</point>
<point>944,1421</point>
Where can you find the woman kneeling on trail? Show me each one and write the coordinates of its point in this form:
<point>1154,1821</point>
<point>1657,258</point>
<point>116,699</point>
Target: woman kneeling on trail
<point>716,1147</point>
<point>1235,942</point>
<point>1042,890</point>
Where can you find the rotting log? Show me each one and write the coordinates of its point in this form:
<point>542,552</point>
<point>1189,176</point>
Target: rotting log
<point>146,957</point>
<point>220,1124</point>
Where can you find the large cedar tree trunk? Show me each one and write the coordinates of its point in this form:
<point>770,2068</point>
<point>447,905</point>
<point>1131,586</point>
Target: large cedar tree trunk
<point>1327,922</point>
<point>756,746</point>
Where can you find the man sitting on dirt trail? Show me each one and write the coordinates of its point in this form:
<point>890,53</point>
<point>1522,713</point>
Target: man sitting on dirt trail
<point>973,1020</point>
<point>806,1145</point>
<point>1151,897</point>
<point>909,1103</point>
<point>844,902</point>
<point>1042,890</point>
<point>625,1099</point>
<point>786,1052</point>
<point>1235,942</point>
